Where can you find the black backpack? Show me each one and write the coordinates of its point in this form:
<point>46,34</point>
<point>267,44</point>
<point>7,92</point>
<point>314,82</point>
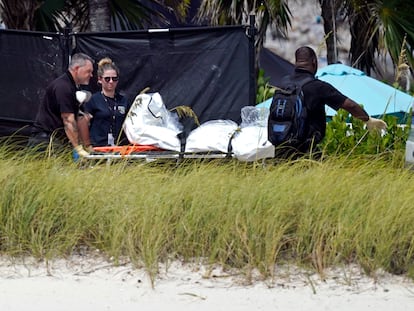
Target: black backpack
<point>287,123</point>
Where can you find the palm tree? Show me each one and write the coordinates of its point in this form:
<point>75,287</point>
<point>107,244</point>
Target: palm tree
<point>92,15</point>
<point>329,8</point>
<point>271,13</point>
<point>376,26</point>
<point>43,15</point>
<point>379,26</point>
<point>19,14</point>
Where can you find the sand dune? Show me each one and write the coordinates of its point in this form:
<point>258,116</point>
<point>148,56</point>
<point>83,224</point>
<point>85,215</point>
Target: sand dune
<point>91,283</point>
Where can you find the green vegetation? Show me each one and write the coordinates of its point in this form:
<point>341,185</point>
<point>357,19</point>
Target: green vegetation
<point>347,135</point>
<point>315,214</point>
<point>264,89</point>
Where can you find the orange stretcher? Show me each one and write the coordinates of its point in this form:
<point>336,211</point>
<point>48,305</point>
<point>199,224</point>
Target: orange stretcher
<point>126,150</point>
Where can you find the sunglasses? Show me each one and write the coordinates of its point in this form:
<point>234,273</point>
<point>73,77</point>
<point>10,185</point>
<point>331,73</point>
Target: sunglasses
<point>107,79</point>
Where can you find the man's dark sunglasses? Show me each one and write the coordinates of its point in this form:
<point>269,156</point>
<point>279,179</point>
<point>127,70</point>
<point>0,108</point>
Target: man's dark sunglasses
<point>107,79</point>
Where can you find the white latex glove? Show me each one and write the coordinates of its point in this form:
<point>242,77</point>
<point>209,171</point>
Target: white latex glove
<point>82,152</point>
<point>83,96</point>
<point>374,123</point>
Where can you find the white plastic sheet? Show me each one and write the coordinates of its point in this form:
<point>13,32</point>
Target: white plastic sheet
<point>250,142</point>
<point>150,123</point>
<point>211,136</point>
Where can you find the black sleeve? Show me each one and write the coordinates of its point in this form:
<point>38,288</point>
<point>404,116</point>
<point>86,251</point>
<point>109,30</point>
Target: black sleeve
<point>331,96</point>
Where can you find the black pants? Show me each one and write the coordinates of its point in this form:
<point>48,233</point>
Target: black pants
<point>299,149</point>
<point>46,142</point>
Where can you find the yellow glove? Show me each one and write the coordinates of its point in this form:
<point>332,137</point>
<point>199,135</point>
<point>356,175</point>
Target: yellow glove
<point>374,123</point>
<point>82,152</point>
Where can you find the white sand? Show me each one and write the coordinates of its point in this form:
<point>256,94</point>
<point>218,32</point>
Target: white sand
<point>85,283</point>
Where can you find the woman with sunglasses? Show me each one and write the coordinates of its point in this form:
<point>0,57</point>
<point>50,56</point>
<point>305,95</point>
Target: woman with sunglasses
<point>106,111</point>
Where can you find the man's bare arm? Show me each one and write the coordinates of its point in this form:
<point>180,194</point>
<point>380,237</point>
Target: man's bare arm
<point>83,127</point>
<point>71,128</point>
<point>355,109</point>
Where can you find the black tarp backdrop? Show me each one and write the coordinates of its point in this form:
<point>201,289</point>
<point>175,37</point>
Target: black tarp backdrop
<point>29,61</point>
<point>274,66</point>
<point>207,69</point>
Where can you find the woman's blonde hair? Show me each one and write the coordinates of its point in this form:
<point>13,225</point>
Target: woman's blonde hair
<point>106,64</point>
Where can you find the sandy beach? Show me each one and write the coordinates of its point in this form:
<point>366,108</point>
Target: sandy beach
<point>92,283</point>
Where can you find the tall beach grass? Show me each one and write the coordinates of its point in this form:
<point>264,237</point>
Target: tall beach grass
<point>315,214</point>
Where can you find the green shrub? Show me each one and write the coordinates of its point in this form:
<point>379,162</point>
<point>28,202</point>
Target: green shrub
<point>348,135</point>
<point>264,89</point>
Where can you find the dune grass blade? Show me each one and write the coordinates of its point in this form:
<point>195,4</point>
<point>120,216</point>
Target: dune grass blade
<point>314,214</point>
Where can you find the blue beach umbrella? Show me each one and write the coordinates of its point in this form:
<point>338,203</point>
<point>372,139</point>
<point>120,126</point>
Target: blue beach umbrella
<point>376,97</point>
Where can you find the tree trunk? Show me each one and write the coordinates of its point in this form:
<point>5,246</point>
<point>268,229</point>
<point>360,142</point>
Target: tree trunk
<point>99,15</point>
<point>328,14</point>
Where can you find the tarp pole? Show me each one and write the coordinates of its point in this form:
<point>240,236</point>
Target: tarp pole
<point>67,46</point>
<point>251,33</point>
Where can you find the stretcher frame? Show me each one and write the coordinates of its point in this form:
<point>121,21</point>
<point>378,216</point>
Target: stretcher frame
<point>150,153</point>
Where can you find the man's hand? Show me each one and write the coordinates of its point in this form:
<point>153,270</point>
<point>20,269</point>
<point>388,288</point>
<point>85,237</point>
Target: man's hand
<point>82,152</point>
<point>374,123</point>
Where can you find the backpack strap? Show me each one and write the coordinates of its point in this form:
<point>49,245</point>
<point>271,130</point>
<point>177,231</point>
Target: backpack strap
<point>299,81</point>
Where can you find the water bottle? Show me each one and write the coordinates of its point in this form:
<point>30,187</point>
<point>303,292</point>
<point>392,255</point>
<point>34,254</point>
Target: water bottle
<point>409,146</point>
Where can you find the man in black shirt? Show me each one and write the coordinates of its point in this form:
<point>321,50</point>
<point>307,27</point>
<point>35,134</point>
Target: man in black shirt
<point>317,93</point>
<point>56,119</point>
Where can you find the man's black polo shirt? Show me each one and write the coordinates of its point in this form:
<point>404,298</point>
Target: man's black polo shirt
<point>317,94</point>
<point>59,98</point>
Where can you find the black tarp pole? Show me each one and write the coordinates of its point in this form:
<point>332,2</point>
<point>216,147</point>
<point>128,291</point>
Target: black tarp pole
<point>67,46</point>
<point>252,59</point>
